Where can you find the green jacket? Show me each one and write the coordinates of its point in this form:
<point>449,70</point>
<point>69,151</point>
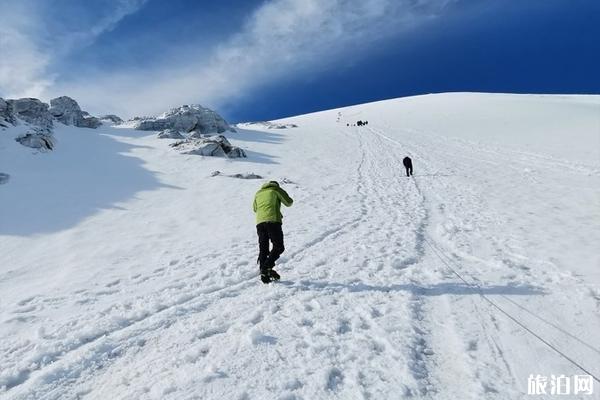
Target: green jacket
<point>267,202</point>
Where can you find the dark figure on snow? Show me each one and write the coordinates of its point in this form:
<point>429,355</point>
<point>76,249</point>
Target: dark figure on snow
<point>408,165</point>
<point>267,206</point>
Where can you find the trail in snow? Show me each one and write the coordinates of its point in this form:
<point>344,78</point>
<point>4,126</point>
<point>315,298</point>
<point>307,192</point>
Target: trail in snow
<point>520,315</point>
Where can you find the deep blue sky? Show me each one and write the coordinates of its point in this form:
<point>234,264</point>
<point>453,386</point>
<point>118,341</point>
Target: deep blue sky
<point>257,60</point>
<point>540,46</point>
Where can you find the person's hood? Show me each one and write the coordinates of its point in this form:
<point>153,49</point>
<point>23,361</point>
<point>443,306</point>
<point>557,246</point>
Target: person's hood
<point>271,184</point>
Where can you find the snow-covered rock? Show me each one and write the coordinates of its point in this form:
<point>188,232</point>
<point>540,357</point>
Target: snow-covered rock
<point>32,111</point>
<point>37,138</point>
<point>170,134</point>
<point>236,152</point>
<point>114,119</point>
<point>197,135</point>
<point>187,118</point>
<point>4,178</point>
<point>246,176</point>
<point>89,122</point>
<point>67,111</point>
<point>250,175</point>
<point>215,146</point>
<point>6,116</point>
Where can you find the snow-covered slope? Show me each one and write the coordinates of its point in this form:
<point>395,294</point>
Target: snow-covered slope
<point>128,272</point>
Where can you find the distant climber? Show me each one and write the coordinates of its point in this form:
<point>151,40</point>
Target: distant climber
<point>408,165</point>
<point>267,206</point>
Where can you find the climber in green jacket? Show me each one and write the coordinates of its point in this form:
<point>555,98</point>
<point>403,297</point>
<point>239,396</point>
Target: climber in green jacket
<point>267,205</point>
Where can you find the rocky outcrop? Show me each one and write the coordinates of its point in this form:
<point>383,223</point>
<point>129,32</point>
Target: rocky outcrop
<point>67,111</point>
<point>89,122</point>
<point>197,135</point>
<point>170,134</point>
<point>6,116</point>
<point>193,119</point>
<point>37,138</point>
<point>4,178</point>
<point>33,112</point>
<point>40,116</point>
<point>115,120</point>
<point>214,146</point>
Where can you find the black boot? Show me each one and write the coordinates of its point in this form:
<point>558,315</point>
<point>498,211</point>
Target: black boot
<point>274,275</point>
<point>265,278</point>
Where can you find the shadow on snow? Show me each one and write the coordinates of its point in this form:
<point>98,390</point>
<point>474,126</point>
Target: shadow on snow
<point>86,173</point>
<point>247,135</point>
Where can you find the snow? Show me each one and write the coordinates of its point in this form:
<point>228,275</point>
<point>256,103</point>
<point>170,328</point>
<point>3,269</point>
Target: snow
<point>128,272</point>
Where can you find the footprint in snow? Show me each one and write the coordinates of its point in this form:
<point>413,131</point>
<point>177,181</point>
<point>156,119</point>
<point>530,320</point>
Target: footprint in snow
<point>213,373</point>
<point>343,327</point>
<point>26,301</point>
<point>257,338</point>
<point>375,313</point>
<point>256,318</point>
<point>405,263</point>
<point>25,310</point>
<point>335,380</point>
<point>113,283</point>
<point>105,292</point>
<point>305,322</point>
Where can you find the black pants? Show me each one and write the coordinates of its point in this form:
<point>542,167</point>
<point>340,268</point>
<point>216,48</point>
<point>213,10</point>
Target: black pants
<point>269,231</point>
<point>408,170</point>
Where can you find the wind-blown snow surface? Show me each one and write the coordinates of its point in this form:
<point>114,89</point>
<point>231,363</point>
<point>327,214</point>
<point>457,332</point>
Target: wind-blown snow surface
<point>127,272</point>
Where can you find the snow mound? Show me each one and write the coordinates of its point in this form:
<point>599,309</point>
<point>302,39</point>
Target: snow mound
<point>267,124</point>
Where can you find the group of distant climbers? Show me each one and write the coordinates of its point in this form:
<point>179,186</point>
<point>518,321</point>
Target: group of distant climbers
<point>359,123</point>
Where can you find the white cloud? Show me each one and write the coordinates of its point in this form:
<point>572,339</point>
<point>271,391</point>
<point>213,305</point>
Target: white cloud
<point>29,46</point>
<point>22,63</point>
<point>281,39</point>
